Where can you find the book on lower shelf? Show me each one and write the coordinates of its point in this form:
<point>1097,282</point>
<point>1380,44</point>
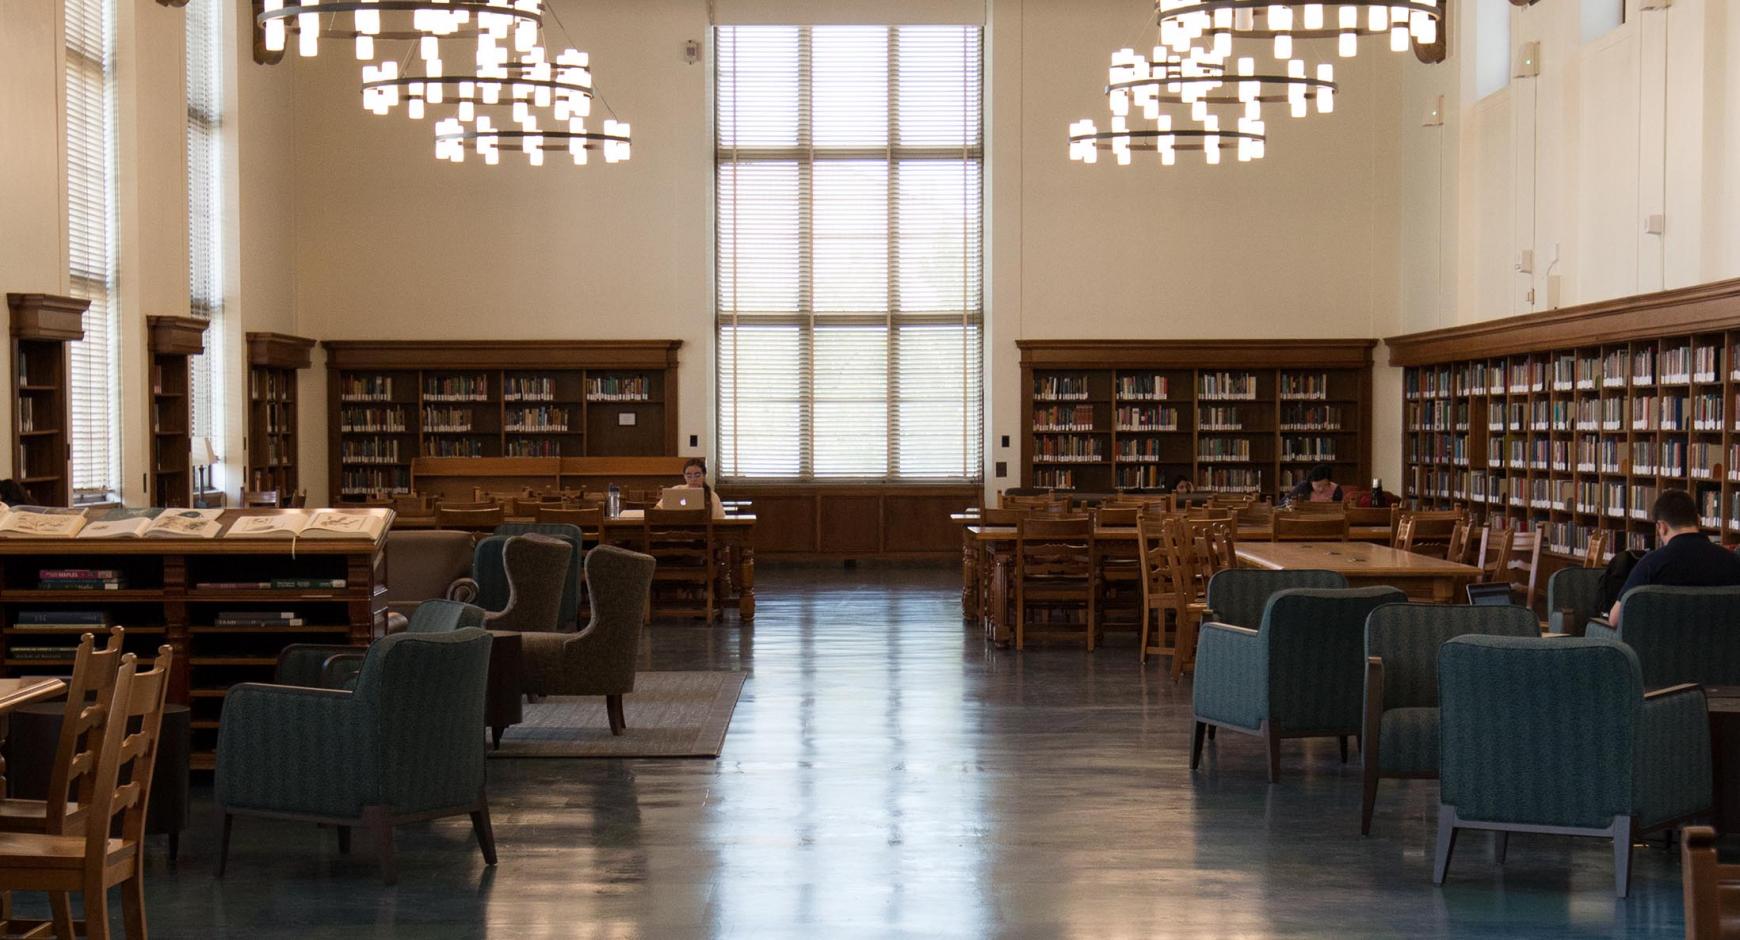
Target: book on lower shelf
<point>80,579</point>
<point>258,618</point>
<point>59,621</point>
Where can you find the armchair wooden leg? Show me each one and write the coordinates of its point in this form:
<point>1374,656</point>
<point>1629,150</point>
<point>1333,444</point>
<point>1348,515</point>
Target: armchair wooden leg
<point>376,821</point>
<point>224,845</point>
<point>1368,790</point>
<point>343,840</point>
<point>96,900</point>
<point>1273,741</point>
<point>485,833</point>
<point>1446,843</point>
<point>613,708</point>
<point>60,907</point>
<point>495,733</point>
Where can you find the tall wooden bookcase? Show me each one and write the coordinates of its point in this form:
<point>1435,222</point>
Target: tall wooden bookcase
<point>171,341</point>
<point>1229,415</point>
<point>42,326</point>
<point>273,361</point>
<point>1576,419</point>
<point>391,401</point>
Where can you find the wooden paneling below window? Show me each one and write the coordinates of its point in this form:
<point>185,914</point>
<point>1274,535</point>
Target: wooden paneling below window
<point>856,520</point>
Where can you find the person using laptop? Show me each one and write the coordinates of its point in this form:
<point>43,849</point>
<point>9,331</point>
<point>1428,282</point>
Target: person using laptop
<point>1684,556</point>
<point>1319,486</point>
<point>686,497</point>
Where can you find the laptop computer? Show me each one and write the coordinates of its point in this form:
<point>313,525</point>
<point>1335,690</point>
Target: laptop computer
<point>682,497</point>
<point>1489,594</point>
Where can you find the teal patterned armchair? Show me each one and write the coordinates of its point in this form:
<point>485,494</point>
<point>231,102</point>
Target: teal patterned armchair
<point>335,666</point>
<point>1239,596</point>
<point>1574,596</point>
<point>1680,634</point>
<point>1399,736</point>
<point>524,582</point>
<point>1556,735</point>
<point>492,579</point>
<point>406,745</point>
<point>1296,676</point>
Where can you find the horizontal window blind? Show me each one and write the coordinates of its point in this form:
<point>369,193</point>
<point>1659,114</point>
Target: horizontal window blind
<point>90,174</point>
<point>850,295</point>
<point>204,203</point>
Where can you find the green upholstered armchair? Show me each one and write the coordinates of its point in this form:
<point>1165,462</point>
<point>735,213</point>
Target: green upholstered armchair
<point>1296,676</point>
<point>1574,596</point>
<point>492,579</point>
<point>335,666</point>
<point>1680,634</point>
<point>521,582</point>
<point>1238,596</point>
<point>598,660</point>
<point>406,745</point>
<point>1557,736</point>
<point>1399,736</point>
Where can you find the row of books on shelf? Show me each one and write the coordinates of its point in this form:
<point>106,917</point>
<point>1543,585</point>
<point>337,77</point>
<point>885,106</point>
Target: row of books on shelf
<point>1061,388</point>
<point>80,579</point>
<point>1143,387</point>
<point>533,420</point>
<point>1147,476</point>
<point>453,447</point>
<point>1298,385</point>
<point>52,522</point>
<point>375,481</point>
<point>1147,418</point>
<point>369,450</point>
<point>1308,448</point>
<point>532,447</point>
<point>1219,418</point>
<point>1064,418</point>
<point>274,385</point>
<point>619,388</point>
<point>528,388</point>
<point>447,419</point>
<point>27,414</point>
<point>1310,417</point>
<point>456,387</point>
<point>365,388</point>
<point>372,420</point>
<point>1227,386</point>
<point>1224,449</point>
<point>1618,368</point>
<point>258,618</point>
<point>1069,449</point>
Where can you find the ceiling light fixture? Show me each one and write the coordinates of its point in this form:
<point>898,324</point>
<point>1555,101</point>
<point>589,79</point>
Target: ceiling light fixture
<point>1212,24</point>
<point>423,20</point>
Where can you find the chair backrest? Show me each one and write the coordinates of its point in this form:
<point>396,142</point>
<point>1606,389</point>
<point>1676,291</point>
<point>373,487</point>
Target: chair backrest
<point>1711,886</point>
<point>1212,513</point>
<point>676,534</point>
<point>1495,548</point>
<point>618,581</point>
<point>526,505</point>
<point>1595,552</point>
<point>443,616</point>
<point>1116,518</point>
<point>259,499</point>
<point>482,517</point>
<point>1574,596</point>
<point>298,501</point>
<point>1327,507</point>
<point>536,569</point>
<point>1407,636</point>
<point>421,564</point>
<point>576,539</point>
<point>1316,644</point>
<point>83,723</point>
<point>1373,516</point>
<point>1294,526</point>
<point>1523,566</point>
<point>1216,544</point>
<point>590,521</point>
<point>411,505</point>
<point>1147,502</point>
<point>1240,595</point>
<point>1154,535</point>
<point>1002,516</point>
<point>1459,540</point>
<point>1054,548</point>
<point>1505,758</point>
<point>128,752</point>
<point>1683,634</point>
<point>1049,503</point>
<point>1427,532</point>
<point>420,712</point>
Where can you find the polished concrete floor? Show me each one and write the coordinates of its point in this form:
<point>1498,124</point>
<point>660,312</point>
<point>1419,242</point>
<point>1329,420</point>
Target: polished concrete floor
<point>886,775</point>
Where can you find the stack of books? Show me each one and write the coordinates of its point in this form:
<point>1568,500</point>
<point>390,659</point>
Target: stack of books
<point>257,618</point>
<point>80,579</point>
<point>276,584</point>
<point>60,621</point>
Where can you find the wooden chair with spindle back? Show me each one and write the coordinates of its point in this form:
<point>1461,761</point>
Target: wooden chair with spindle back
<point>1163,599</point>
<point>1192,569</point>
<point>1212,514</point>
<point>1290,525</point>
<point>1118,562</point>
<point>1711,887</point>
<point>1326,507</point>
<point>1496,544</point>
<point>1522,567</point>
<point>1054,567</point>
<point>1459,541</point>
<point>1372,516</point>
<point>260,499</point>
<point>526,506</point>
<point>1427,532</point>
<point>1595,553</point>
<point>995,612</point>
<point>1047,503</point>
<point>469,518</point>
<point>590,521</point>
<point>683,543</point>
<point>83,721</point>
<point>411,505</point>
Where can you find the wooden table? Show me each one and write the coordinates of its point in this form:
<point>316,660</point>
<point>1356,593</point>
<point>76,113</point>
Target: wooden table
<point>1421,576</point>
<point>735,534</point>
<point>23,691</point>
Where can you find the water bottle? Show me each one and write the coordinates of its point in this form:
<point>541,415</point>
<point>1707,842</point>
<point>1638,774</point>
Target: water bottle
<point>1377,493</point>
<point>613,501</point>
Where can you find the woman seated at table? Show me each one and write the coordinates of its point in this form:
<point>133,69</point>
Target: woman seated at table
<point>1319,486</point>
<point>695,477</point>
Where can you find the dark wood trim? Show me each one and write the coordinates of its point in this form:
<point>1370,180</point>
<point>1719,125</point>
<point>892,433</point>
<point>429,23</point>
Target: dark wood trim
<point>826,521</point>
<point>280,351</point>
<point>1702,308</point>
<point>1193,354</point>
<point>183,336</point>
<point>501,354</point>
<point>47,316</point>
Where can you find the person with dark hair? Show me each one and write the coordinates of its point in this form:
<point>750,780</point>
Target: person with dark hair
<point>1684,556</point>
<point>1182,484</point>
<point>12,494</point>
<point>1319,486</point>
<point>695,477</point>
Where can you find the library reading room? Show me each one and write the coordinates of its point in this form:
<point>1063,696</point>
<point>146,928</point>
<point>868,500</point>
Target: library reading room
<point>629,468</point>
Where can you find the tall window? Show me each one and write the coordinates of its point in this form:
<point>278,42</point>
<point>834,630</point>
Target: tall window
<point>90,176</point>
<point>850,307</point>
<point>1491,46</point>
<point>204,191</point>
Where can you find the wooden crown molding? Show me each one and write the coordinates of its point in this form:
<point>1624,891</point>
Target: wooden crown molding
<point>501,354</point>
<point>1191,354</point>
<point>184,336</point>
<point>1701,308</point>
<point>280,351</point>
<point>47,316</point>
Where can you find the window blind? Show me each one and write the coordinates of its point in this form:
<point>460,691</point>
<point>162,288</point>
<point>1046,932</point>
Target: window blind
<point>204,211</point>
<point>90,174</point>
<point>850,296</point>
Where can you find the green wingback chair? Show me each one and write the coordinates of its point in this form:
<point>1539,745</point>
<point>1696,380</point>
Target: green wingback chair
<point>1399,735</point>
<point>598,660</point>
<point>1574,596</point>
<point>1680,634</point>
<point>1556,735</point>
<point>523,581</point>
<point>406,745</point>
<point>335,666</point>
<point>492,578</point>
<point>1296,676</point>
<point>1238,596</point>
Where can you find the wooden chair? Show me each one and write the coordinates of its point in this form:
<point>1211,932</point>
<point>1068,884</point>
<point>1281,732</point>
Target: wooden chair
<point>1495,549</point>
<point>1427,533</point>
<point>1712,889</point>
<point>469,518</point>
<point>1147,502</point>
<point>1163,596</point>
<point>259,499</point>
<point>1595,553</point>
<point>1367,516</point>
<point>1192,569</point>
<point>526,506</point>
<point>1212,513</point>
<point>91,862</point>
<point>1459,540</point>
<point>298,501</point>
<point>1216,545</point>
<point>1327,507</point>
<point>1292,526</point>
<point>1119,565</point>
<point>1050,503</point>
<point>1522,567</point>
<point>1054,566</point>
<point>590,521</point>
<point>682,541</point>
<point>82,723</point>
<point>412,505</point>
<point>1233,501</point>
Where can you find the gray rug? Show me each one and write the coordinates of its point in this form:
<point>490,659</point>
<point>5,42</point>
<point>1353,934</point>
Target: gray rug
<point>669,714</point>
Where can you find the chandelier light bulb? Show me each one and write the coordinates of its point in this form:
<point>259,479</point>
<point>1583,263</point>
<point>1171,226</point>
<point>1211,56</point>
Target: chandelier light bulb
<point>1325,93</point>
<point>1376,18</point>
<point>467,111</point>
<point>308,35</point>
<point>1399,39</point>
<point>1283,45</point>
<point>365,48</point>
<point>414,108</point>
<point>1313,16</point>
<point>1348,45</point>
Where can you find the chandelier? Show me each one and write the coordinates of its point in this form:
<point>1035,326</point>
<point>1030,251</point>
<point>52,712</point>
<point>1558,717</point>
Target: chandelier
<point>1212,24</point>
<point>1085,141</point>
<point>423,20</point>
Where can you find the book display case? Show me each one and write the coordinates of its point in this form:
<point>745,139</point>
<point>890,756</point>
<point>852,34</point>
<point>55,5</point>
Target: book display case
<point>273,361</point>
<point>392,402</point>
<point>171,341</point>
<point>42,326</point>
<point>1230,416</point>
<point>1575,419</point>
<point>226,606</point>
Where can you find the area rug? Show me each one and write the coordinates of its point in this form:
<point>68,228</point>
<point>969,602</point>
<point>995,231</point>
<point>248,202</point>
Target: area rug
<point>669,714</point>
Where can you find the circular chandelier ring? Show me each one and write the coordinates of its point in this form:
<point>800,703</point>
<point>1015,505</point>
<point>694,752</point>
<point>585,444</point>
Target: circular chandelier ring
<point>592,139</point>
<point>1191,138</point>
<point>398,6</point>
<point>451,80</point>
<point>1225,80</point>
<point>1208,7</point>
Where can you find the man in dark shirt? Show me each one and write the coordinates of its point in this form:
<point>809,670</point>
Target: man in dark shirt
<point>1684,556</point>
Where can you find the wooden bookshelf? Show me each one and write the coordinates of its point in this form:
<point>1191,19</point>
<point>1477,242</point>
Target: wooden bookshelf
<point>42,326</point>
<point>167,595</point>
<point>172,341</point>
<point>1575,419</point>
<point>1234,416</point>
<point>393,402</point>
<point>272,445</point>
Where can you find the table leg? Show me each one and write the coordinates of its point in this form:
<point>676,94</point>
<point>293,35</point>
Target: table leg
<point>746,583</point>
<point>969,575</point>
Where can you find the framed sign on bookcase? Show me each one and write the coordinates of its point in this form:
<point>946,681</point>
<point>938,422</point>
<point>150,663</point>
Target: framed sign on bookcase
<point>390,402</point>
